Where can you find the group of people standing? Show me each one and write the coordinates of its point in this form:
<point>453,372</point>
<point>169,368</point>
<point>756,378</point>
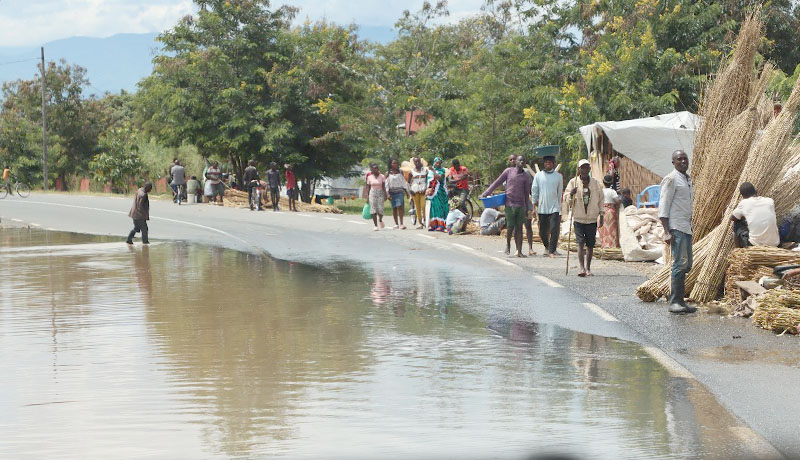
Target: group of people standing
<point>426,188</point>
<point>542,194</point>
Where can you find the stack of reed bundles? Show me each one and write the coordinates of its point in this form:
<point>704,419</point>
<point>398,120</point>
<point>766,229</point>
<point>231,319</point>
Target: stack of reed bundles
<point>771,149</point>
<point>729,93</point>
<point>750,264</point>
<point>729,152</point>
<point>778,310</point>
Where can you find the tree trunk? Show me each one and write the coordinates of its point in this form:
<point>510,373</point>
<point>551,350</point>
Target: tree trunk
<point>238,165</point>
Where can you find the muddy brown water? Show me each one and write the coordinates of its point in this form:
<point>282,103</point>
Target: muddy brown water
<point>186,351</point>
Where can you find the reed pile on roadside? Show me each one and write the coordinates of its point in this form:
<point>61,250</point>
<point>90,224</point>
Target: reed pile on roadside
<point>778,310</point>
<point>771,149</point>
<point>729,93</point>
<point>658,286</point>
<point>750,264</point>
<point>238,199</point>
<point>599,253</point>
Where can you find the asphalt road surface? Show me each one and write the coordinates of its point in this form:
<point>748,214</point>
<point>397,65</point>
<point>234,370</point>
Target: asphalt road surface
<point>752,372</point>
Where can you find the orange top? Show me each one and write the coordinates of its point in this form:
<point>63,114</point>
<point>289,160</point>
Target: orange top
<point>6,173</point>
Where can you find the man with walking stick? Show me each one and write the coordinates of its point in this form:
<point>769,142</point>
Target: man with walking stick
<point>586,195</point>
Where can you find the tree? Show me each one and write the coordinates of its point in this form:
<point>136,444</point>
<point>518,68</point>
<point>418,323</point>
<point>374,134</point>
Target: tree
<point>211,85</point>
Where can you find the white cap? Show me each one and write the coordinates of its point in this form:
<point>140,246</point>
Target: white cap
<point>583,162</point>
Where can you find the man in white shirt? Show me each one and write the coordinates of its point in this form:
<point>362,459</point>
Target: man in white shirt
<point>754,219</point>
<point>675,212</point>
<point>492,221</point>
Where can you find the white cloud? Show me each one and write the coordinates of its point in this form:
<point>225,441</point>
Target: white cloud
<point>34,22</point>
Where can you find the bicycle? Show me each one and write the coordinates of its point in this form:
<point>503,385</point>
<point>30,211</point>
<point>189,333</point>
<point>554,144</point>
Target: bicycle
<point>22,189</point>
<point>255,195</point>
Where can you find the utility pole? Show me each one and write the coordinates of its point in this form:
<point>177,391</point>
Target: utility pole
<point>44,124</point>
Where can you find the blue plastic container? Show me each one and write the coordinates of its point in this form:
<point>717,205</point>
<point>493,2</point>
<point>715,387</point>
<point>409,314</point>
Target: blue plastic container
<point>494,200</point>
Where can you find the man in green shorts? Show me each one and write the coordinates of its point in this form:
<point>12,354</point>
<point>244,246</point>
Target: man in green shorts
<point>518,185</point>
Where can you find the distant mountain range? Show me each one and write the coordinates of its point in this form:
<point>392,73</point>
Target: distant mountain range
<point>114,63</point>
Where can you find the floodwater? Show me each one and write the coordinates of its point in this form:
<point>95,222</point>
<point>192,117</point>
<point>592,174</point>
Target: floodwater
<point>186,351</point>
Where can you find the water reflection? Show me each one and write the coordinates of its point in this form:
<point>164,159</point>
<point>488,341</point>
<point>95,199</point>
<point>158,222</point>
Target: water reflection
<point>179,350</point>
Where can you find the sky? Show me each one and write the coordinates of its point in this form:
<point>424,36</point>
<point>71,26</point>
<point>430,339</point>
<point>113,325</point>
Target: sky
<point>35,22</point>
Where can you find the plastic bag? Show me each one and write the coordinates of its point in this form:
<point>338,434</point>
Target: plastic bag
<point>365,213</point>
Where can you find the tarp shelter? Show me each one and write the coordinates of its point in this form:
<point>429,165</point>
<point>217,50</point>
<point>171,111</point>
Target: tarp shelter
<point>646,145</point>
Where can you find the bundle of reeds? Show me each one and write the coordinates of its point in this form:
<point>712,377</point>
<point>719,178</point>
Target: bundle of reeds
<point>730,154</point>
<point>785,191</point>
<point>729,93</point>
<point>778,310</point>
<point>238,199</point>
<point>771,149</point>
<point>750,264</point>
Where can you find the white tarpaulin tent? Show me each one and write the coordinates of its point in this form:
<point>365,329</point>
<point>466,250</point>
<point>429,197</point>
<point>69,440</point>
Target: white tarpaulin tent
<point>647,141</point>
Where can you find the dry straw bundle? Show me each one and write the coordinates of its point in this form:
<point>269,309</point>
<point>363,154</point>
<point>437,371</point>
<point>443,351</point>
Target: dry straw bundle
<point>729,93</point>
<point>771,149</point>
<point>238,199</point>
<point>729,152</point>
<point>777,310</point>
<point>750,264</point>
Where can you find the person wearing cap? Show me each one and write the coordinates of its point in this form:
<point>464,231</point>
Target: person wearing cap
<point>584,195</point>
<point>518,182</point>
<point>546,189</point>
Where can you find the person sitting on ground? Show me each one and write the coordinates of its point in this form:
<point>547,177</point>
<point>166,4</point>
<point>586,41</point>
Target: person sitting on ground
<point>456,220</point>
<point>609,231</point>
<point>518,183</point>
<point>625,197</point>
<point>585,195</point>
<point>194,190</point>
<point>546,191</point>
<point>492,221</point>
<point>217,188</point>
<point>754,221</point>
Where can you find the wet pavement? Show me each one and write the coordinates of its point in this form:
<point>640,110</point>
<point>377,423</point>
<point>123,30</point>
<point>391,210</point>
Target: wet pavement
<point>182,350</point>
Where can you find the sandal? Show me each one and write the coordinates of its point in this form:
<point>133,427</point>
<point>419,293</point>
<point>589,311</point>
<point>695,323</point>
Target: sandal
<point>402,227</point>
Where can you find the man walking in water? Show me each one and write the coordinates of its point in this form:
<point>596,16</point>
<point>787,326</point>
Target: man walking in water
<point>546,191</point>
<point>675,211</point>
<point>518,182</point>
<point>140,213</point>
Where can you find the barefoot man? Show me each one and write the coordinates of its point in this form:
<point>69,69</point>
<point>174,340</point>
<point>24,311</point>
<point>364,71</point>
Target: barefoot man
<point>518,183</point>
<point>587,195</point>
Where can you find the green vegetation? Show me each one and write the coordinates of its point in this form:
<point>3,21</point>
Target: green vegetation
<point>237,81</point>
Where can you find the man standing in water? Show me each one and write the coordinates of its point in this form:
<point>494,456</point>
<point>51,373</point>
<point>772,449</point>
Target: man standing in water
<point>586,194</point>
<point>274,184</point>
<point>675,211</point>
<point>546,191</point>
<point>140,213</point>
<point>518,182</point>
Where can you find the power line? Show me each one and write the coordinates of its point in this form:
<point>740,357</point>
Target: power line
<point>17,62</point>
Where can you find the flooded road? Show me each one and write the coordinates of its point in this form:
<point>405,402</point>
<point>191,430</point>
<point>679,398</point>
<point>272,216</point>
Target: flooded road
<point>189,351</point>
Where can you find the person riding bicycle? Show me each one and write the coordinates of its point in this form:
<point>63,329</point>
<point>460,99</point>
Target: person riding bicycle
<point>178,181</point>
<point>251,181</point>
<point>460,176</point>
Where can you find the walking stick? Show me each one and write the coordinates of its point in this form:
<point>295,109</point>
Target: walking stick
<point>569,235</point>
